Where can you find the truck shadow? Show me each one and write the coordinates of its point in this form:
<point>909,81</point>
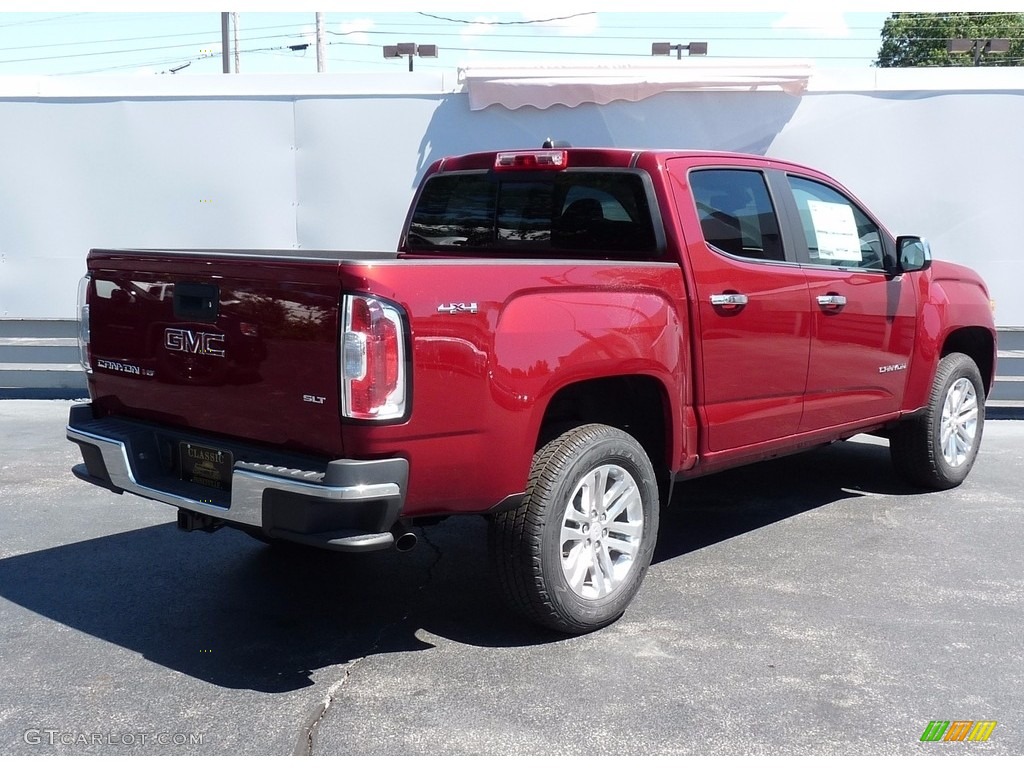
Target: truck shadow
<point>718,507</point>
<point>238,614</point>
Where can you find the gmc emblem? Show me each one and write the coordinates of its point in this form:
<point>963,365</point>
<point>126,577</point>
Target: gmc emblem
<point>196,342</point>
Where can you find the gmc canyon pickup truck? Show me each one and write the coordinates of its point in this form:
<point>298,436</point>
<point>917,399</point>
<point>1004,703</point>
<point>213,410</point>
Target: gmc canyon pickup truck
<point>563,335</point>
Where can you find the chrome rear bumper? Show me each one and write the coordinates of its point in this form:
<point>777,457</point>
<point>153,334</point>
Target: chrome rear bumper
<point>343,504</point>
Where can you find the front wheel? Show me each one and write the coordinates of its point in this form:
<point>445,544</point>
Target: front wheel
<point>573,554</point>
<point>937,449</point>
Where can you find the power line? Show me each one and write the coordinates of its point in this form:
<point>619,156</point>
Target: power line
<point>500,33</point>
<point>213,42</point>
<point>507,23</point>
<point>638,54</point>
<point>139,39</point>
<point>162,62</point>
<point>40,21</point>
<point>599,37</point>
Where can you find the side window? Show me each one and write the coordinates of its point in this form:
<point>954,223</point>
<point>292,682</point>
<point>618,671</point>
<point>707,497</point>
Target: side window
<point>839,234</point>
<point>736,213</point>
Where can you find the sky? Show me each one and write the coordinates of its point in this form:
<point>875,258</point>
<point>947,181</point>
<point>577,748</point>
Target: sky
<point>115,37</point>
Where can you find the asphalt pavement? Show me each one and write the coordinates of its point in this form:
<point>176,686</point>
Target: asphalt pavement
<point>810,605</point>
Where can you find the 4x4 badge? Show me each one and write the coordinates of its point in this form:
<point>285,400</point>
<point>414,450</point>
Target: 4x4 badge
<point>456,307</point>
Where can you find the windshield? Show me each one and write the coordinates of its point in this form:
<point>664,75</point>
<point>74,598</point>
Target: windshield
<point>604,211</point>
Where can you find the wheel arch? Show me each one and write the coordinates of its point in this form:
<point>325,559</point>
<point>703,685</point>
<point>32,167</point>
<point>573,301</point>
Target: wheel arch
<point>637,404</point>
<point>979,345</point>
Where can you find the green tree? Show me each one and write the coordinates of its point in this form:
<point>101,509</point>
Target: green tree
<point>919,39</point>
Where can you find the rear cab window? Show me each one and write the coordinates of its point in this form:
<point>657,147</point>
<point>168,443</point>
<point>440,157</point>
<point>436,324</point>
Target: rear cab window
<point>736,213</point>
<point>601,212</point>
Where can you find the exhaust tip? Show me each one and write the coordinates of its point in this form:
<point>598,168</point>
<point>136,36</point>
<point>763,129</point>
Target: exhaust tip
<point>406,541</point>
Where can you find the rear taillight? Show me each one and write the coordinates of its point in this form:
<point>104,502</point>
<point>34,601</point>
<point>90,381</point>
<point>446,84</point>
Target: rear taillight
<point>373,360</point>
<point>83,323</point>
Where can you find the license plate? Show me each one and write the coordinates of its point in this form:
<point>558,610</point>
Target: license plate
<point>210,467</point>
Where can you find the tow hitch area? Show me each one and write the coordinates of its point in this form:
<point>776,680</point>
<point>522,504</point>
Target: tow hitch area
<point>196,521</point>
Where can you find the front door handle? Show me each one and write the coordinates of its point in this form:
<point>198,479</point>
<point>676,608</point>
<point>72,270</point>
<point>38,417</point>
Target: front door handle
<point>728,299</point>
<point>832,300</point>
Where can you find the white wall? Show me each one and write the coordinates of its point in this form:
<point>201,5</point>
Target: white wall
<point>331,161</point>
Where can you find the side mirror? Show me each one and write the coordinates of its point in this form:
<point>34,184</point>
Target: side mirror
<point>913,254</point>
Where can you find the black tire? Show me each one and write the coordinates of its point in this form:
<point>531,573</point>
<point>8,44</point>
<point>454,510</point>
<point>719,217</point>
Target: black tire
<point>937,449</point>
<point>607,551</point>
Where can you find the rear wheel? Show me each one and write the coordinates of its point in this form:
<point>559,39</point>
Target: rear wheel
<point>574,553</point>
<point>937,449</point>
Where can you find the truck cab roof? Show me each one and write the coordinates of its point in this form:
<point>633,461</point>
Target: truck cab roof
<point>603,157</point>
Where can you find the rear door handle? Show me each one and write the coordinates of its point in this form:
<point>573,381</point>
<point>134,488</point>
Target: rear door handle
<point>728,299</point>
<point>832,300</point>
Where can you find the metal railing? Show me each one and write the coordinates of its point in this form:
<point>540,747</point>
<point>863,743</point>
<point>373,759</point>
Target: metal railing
<point>39,359</point>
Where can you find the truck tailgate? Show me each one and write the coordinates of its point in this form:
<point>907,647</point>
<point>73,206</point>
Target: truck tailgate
<point>214,343</point>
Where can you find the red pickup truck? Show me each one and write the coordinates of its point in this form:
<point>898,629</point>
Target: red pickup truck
<point>563,335</point>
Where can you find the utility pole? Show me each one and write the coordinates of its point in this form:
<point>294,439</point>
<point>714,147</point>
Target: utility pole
<point>225,44</point>
<point>234,24</point>
<point>320,59</point>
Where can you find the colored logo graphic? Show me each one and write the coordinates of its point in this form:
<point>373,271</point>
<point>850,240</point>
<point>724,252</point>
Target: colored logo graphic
<point>958,730</point>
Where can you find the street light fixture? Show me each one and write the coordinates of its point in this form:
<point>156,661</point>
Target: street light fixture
<point>410,50</point>
<point>979,47</point>
<point>692,49</point>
